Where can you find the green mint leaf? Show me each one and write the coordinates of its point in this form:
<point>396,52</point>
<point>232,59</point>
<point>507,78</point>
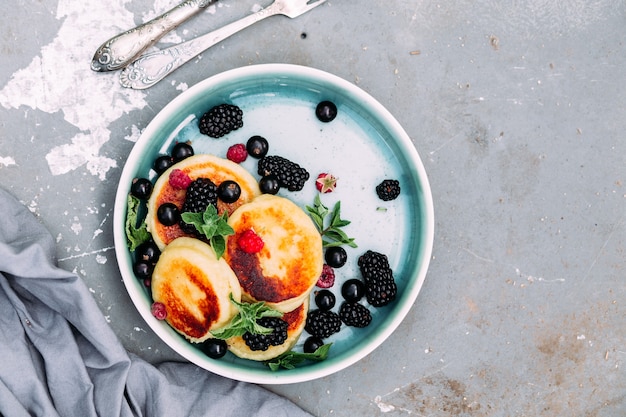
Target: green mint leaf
<point>213,226</point>
<point>135,235</point>
<point>290,359</point>
<point>246,320</point>
<point>218,243</point>
<point>331,233</point>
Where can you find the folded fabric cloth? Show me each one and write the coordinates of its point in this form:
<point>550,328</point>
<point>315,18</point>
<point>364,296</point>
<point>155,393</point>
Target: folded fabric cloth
<point>59,357</point>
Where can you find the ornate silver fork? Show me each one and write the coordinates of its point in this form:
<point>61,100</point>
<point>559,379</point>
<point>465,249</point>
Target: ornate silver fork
<point>122,49</point>
<point>152,67</point>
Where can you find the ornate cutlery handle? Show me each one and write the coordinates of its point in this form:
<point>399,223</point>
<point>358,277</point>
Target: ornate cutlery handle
<point>151,68</point>
<point>120,50</point>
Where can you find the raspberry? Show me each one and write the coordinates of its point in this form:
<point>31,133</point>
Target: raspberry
<point>264,341</point>
<point>250,242</point>
<point>355,314</point>
<point>237,153</point>
<point>290,175</point>
<point>179,179</point>
<point>326,183</point>
<point>327,277</point>
<point>380,287</point>
<point>388,190</point>
<point>220,120</point>
<point>322,324</point>
<point>158,311</point>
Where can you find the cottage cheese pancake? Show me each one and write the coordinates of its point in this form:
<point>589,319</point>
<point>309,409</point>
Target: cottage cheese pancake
<point>195,287</point>
<point>198,166</point>
<point>295,319</point>
<point>285,270</point>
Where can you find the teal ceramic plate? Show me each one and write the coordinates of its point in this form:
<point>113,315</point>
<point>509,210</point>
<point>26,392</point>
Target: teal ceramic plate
<point>362,146</point>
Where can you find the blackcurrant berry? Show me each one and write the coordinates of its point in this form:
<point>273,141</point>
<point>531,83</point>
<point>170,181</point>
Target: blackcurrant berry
<point>162,163</point>
<point>141,188</point>
<point>326,111</point>
<point>257,147</point>
<point>229,191</point>
<point>143,269</point>
<point>181,151</point>
<point>168,214</point>
<point>324,299</point>
<point>269,184</point>
<point>336,256</point>
<point>353,290</point>
<point>148,251</point>
<point>311,344</point>
<point>215,348</point>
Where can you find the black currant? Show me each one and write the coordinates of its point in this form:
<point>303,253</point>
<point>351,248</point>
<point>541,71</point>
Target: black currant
<point>162,163</point>
<point>148,251</point>
<point>311,344</point>
<point>353,290</point>
<point>324,299</point>
<point>229,191</point>
<point>336,256</point>
<point>141,188</point>
<point>181,151</point>
<point>257,147</point>
<point>269,184</point>
<point>214,348</point>
<point>326,111</point>
<point>168,214</point>
<point>143,269</point>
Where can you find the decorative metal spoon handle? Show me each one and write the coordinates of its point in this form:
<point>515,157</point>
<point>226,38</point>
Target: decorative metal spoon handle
<point>152,67</point>
<point>122,49</point>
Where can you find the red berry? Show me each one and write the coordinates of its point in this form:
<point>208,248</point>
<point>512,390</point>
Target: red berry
<point>250,242</point>
<point>327,278</point>
<point>237,153</point>
<point>179,179</point>
<point>326,183</point>
<point>158,310</point>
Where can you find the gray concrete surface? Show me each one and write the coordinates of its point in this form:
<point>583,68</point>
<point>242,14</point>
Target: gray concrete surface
<point>518,111</point>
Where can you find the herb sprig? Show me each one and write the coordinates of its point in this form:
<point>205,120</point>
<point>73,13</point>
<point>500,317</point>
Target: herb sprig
<point>246,320</point>
<point>330,229</point>
<point>290,359</point>
<point>211,225</point>
<point>135,234</point>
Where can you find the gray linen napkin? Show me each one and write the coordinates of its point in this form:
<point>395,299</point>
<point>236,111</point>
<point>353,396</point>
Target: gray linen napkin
<point>59,357</point>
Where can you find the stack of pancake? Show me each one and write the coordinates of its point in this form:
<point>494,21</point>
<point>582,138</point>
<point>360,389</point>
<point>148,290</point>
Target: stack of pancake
<point>195,286</point>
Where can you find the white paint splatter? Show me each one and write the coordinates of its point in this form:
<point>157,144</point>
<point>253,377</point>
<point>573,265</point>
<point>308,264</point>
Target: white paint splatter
<point>101,259</point>
<point>6,161</point>
<point>532,279</point>
<point>87,100</point>
<point>382,406</point>
<point>76,228</point>
<point>135,133</point>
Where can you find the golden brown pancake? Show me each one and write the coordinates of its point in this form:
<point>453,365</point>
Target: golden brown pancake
<point>295,319</point>
<point>197,166</point>
<point>283,273</point>
<point>195,287</point>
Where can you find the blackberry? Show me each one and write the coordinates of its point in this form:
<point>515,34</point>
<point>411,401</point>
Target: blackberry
<point>355,314</point>
<point>220,120</point>
<point>201,193</point>
<point>290,175</point>
<point>380,286</point>
<point>322,324</point>
<point>388,190</point>
<point>264,341</point>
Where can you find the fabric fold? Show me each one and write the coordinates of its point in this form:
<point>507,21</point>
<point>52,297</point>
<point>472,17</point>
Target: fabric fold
<point>60,357</point>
